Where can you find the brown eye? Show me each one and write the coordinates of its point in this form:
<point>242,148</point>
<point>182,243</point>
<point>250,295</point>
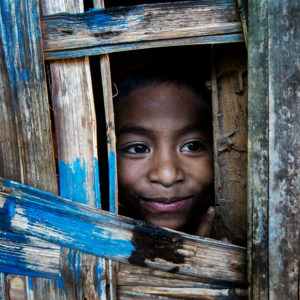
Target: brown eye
<point>137,149</point>
<point>193,146</point>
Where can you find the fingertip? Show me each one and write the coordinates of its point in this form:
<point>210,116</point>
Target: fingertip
<point>211,210</point>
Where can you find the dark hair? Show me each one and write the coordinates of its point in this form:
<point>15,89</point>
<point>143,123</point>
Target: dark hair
<point>154,76</point>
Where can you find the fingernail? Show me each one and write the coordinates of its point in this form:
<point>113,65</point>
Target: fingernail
<point>210,210</point>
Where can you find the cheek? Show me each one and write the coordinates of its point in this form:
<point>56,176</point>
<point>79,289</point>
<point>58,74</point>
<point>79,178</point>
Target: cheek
<point>204,172</point>
<point>128,172</point>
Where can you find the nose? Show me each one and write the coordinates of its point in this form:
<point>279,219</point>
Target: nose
<point>166,169</point>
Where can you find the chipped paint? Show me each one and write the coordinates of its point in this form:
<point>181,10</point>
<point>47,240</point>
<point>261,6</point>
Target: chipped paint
<point>112,181</point>
<point>76,182</point>
<point>2,201</point>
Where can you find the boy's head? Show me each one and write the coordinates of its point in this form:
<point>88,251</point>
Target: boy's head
<point>164,151</point>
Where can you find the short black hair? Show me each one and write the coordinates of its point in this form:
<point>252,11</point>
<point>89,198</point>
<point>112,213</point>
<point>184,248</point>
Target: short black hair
<point>153,76</point>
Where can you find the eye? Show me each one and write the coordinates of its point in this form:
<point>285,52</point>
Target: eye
<point>193,146</point>
<point>137,149</point>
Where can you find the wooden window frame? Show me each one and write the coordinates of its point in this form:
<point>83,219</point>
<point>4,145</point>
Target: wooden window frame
<point>271,236</point>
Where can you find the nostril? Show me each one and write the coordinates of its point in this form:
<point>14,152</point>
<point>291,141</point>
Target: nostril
<point>166,176</point>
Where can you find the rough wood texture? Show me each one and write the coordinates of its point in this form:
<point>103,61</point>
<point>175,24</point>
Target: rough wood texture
<point>26,151</point>
<point>134,24</point>
<point>111,136</point>
<point>75,125</point>
<point>28,211</point>
<point>133,280</point>
<point>229,94</point>
<point>258,181</point>
<point>24,103</point>
<point>105,49</point>
<point>274,151</point>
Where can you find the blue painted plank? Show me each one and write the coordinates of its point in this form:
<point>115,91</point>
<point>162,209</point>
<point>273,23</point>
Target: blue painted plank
<point>139,24</point>
<point>26,255</point>
<point>28,211</point>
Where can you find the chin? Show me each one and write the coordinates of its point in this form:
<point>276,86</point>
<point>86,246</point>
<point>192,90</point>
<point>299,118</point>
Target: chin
<point>167,224</point>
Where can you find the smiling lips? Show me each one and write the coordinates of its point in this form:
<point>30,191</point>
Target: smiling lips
<point>165,204</point>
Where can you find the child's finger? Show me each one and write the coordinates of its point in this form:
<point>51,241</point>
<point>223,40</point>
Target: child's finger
<point>205,226</point>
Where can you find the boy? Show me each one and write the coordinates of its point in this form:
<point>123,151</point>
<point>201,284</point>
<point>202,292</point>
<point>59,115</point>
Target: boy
<point>164,153</point>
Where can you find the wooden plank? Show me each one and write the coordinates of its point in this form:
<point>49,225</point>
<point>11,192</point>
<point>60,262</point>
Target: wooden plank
<point>75,124</point>
<point>284,149</point>
<point>135,280</point>
<point>229,94</point>
<point>17,250</point>
<point>111,136</point>
<point>182,293</point>
<point>105,49</point>
<point>274,149</point>
<point>243,8</point>
<point>23,66</point>
<point>131,24</point>
<point>26,145</point>
<point>258,156</point>
<point>28,211</point>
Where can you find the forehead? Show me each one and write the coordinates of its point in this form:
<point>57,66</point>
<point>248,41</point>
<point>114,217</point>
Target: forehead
<point>161,102</point>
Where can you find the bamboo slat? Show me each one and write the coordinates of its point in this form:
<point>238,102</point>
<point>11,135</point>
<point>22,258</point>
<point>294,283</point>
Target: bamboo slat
<point>28,211</point>
<point>95,30</point>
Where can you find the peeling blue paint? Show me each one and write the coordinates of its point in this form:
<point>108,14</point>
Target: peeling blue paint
<point>78,231</point>
<point>97,184</point>
<point>13,263</point>
<point>112,181</point>
<point>100,271</point>
<point>74,183</point>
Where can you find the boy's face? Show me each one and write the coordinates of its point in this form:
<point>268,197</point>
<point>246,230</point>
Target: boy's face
<point>164,154</point>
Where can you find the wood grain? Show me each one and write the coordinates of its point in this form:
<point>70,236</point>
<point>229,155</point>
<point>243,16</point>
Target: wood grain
<point>75,125</point>
<point>274,150</point>
<point>284,150</point>
<point>105,49</point>
<point>229,94</point>
<point>29,211</point>
<point>138,24</point>
<point>26,145</point>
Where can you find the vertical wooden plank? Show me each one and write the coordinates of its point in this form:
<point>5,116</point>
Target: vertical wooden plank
<point>26,143</point>
<point>284,147</point>
<point>229,94</point>
<point>111,137</point>
<point>2,286</point>
<point>258,157</point>
<point>111,150</point>
<point>242,4</point>
<point>274,233</point>
<point>75,124</point>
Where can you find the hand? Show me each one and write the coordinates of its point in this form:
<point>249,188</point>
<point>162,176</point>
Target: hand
<point>205,226</point>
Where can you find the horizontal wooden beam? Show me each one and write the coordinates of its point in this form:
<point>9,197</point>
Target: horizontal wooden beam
<point>27,255</point>
<point>24,210</point>
<point>101,31</point>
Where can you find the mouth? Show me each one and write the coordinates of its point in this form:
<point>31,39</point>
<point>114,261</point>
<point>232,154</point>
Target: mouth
<point>170,204</point>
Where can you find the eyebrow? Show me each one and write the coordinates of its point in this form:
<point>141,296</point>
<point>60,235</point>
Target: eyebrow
<point>138,130</point>
<point>200,126</point>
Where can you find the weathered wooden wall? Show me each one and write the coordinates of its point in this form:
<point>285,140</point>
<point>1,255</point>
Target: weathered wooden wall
<point>75,125</point>
<point>26,145</point>
<point>139,27</point>
<point>229,95</point>
<point>274,150</point>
